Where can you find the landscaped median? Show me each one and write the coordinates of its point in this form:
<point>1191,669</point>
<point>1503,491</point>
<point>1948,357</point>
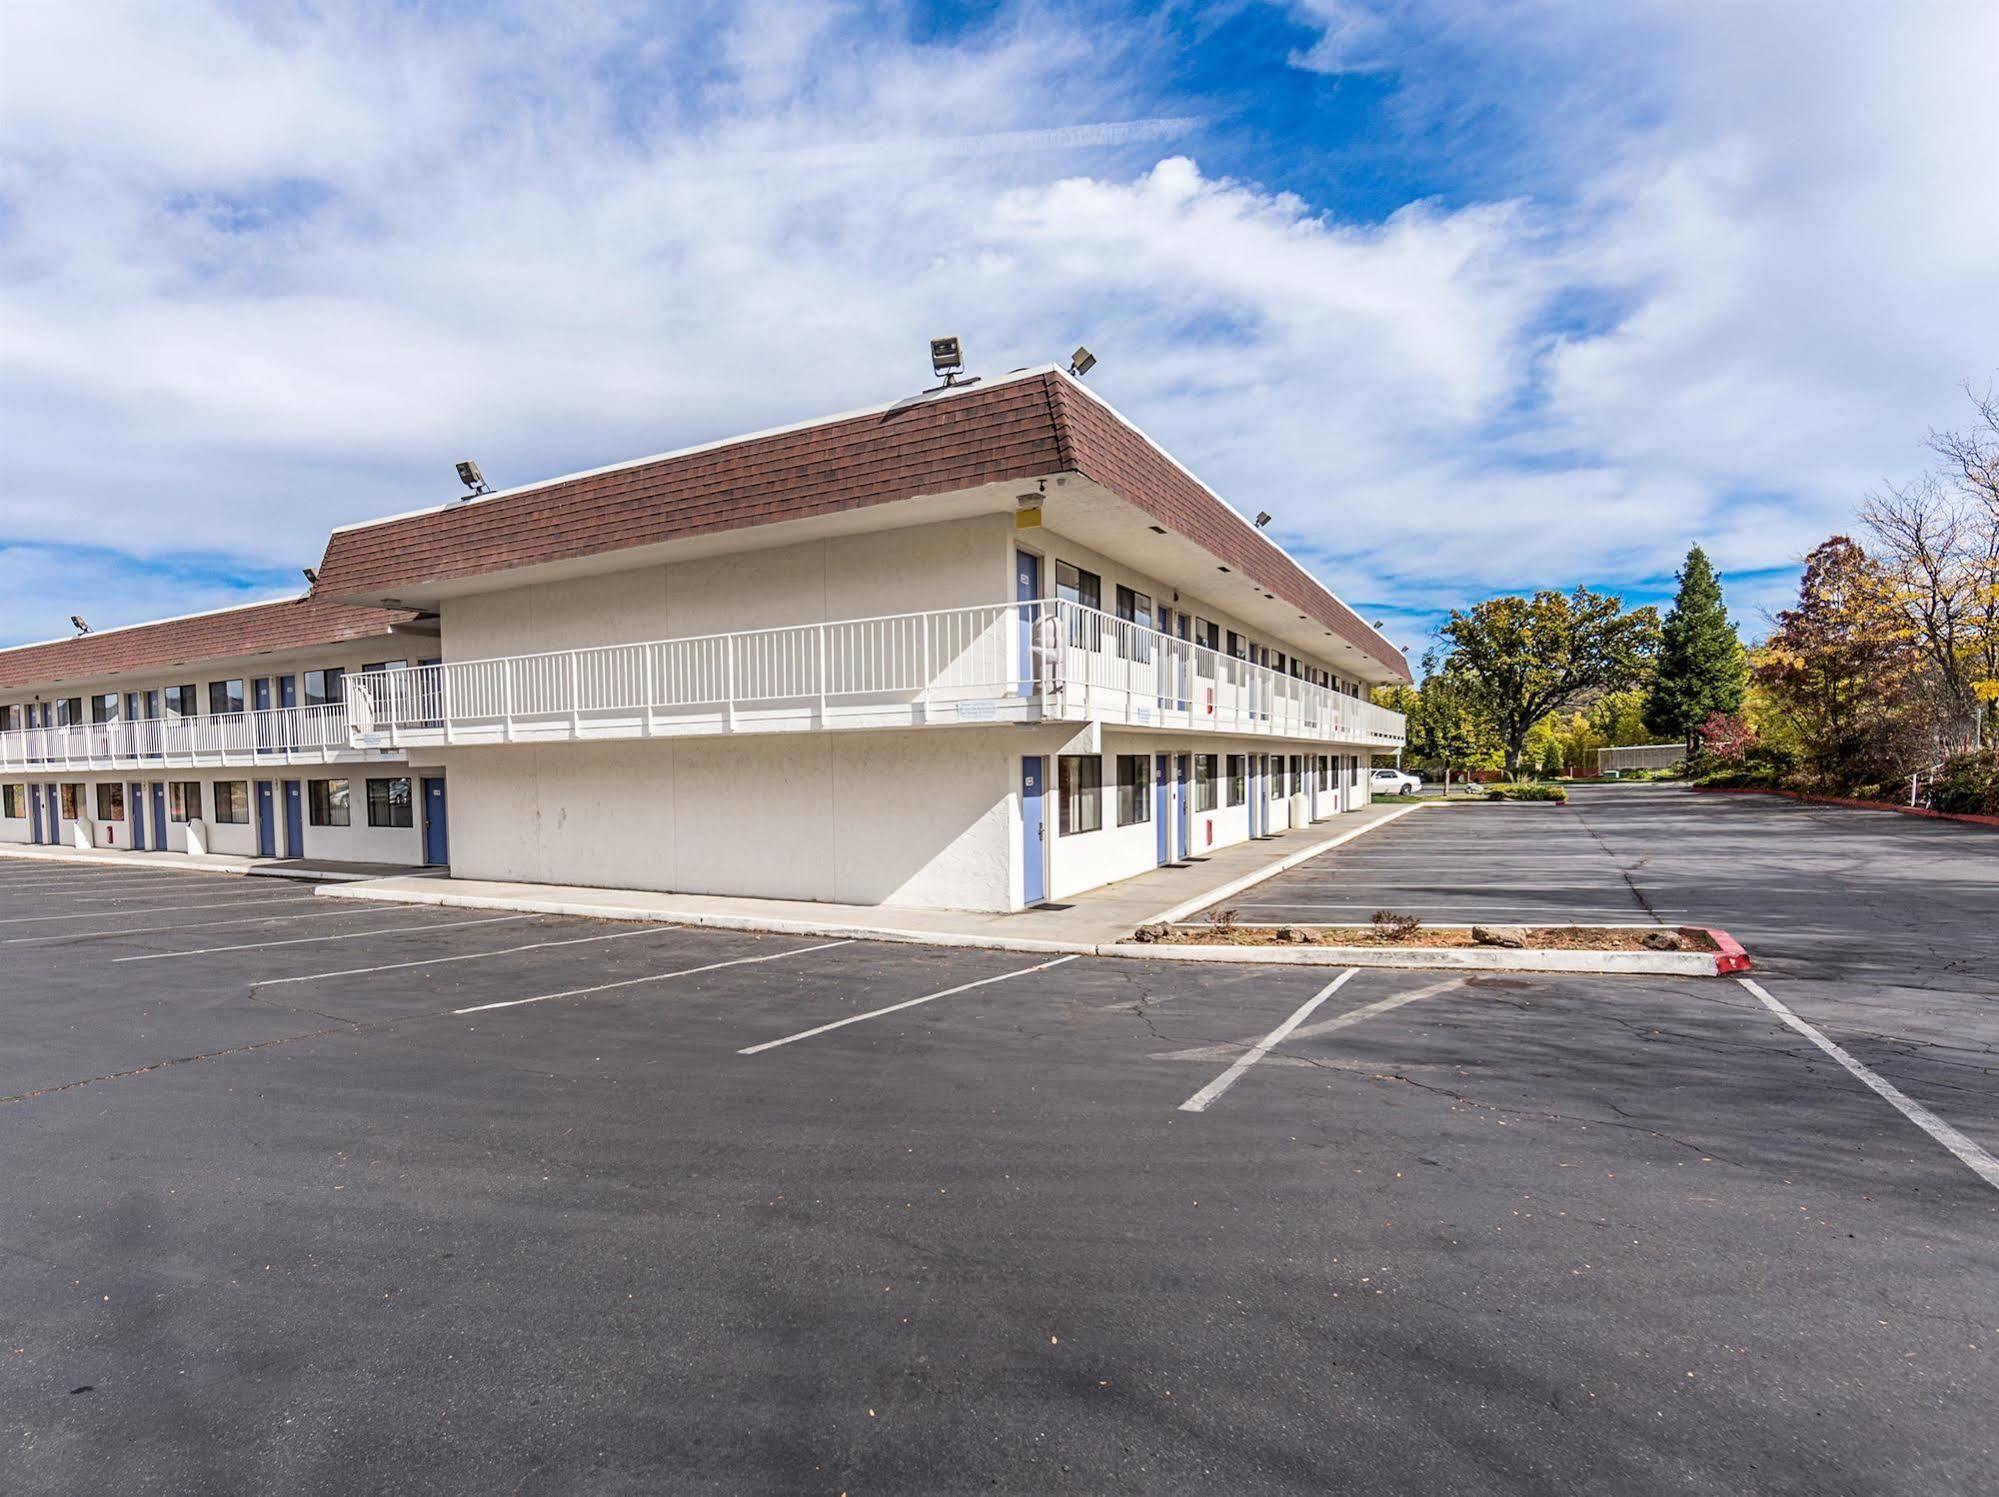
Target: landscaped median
<point>1667,951</point>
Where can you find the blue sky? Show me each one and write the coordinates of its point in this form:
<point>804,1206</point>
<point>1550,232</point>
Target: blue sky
<point>1472,298</point>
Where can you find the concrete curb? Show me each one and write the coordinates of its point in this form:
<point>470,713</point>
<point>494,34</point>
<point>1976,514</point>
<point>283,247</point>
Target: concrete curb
<point>1447,958</point>
<point>1968,818</point>
<point>583,909</point>
<point>1284,864</point>
<point>172,862</point>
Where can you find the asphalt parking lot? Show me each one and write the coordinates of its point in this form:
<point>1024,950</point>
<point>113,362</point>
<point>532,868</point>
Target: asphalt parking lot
<point>381,1198</point>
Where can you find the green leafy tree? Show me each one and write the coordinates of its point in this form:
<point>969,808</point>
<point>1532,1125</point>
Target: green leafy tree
<point>1702,668</point>
<point>1520,659</point>
<point>1446,728</point>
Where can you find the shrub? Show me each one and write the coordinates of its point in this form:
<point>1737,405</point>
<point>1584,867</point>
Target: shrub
<point>1552,793</point>
<point>1968,784</point>
<point>1393,925</point>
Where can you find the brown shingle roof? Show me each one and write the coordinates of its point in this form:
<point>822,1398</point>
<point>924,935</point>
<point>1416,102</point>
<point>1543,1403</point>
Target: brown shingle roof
<point>261,628</point>
<point>1009,430</point>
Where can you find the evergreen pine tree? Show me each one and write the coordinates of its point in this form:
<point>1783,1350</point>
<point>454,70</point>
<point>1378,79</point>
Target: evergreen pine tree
<point>1701,667</point>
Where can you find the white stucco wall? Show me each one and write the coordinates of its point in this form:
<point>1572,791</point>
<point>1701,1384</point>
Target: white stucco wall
<point>914,818</point>
<point>956,564</point>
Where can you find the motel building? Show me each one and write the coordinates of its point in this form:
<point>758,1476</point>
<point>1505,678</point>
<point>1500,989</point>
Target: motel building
<point>983,649</point>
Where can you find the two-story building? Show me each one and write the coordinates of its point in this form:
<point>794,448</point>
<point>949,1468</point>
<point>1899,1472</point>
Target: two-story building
<point>982,648</point>
<point>223,732</point>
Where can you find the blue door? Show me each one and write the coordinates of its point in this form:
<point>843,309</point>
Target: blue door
<point>287,697</point>
<point>53,801</point>
<point>260,702</point>
<point>1033,828</point>
<point>267,827</point>
<point>159,817</point>
<point>34,811</point>
<point>1026,589</point>
<point>1184,822</point>
<point>436,834</point>
<point>294,819</point>
<point>135,810</point>
<point>1162,808</point>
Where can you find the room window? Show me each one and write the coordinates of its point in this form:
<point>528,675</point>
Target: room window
<point>1135,608</point>
<point>183,701</point>
<point>1080,783</point>
<point>1085,590</point>
<point>326,803</point>
<point>104,709</point>
<point>14,801</point>
<point>327,687</point>
<point>10,719</point>
<point>232,802</point>
<point>225,697</point>
<point>387,665</point>
<point>389,803</point>
<point>1277,777</point>
<point>184,800</point>
<point>1297,775</point>
<point>110,802</point>
<point>1134,803</point>
<point>1204,782</point>
<point>72,797</point>
<point>1238,780</point>
<point>69,711</point>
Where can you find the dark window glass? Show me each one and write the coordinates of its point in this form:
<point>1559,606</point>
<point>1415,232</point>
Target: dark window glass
<point>1204,782</point>
<point>389,803</point>
<point>72,797</point>
<point>104,709</point>
<point>110,802</point>
<point>225,697</point>
<point>183,701</point>
<point>324,688</point>
<point>326,803</point>
<point>1080,783</point>
<point>14,801</point>
<point>1134,799</point>
<point>1238,780</point>
<point>184,800</point>
<point>1086,590</point>
<point>1136,608</point>
<point>232,802</point>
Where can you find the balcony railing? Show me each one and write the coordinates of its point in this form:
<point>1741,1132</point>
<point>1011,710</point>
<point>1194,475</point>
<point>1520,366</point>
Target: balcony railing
<point>277,736</point>
<point>1011,662</point>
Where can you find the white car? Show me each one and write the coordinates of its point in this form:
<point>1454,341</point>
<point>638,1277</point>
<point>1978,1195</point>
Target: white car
<point>1394,782</point>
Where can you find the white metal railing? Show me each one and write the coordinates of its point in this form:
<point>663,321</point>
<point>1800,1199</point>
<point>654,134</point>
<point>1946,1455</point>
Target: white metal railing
<point>276,734</point>
<point>1008,661</point>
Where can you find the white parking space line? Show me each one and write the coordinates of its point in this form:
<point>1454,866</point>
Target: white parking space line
<point>468,956</point>
<point>177,927</point>
<point>632,982</point>
<point>1968,1153</point>
<point>348,935</point>
<point>1201,1099</point>
<point>161,909</point>
<point>963,987</point>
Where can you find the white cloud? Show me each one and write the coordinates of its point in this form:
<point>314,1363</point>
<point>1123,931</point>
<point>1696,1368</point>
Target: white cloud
<point>276,269</point>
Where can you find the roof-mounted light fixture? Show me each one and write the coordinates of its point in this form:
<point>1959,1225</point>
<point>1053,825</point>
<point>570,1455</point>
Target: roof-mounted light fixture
<point>947,362</point>
<point>311,577</point>
<point>1081,362</point>
<point>472,478</point>
<point>81,626</point>
<point>1262,518</point>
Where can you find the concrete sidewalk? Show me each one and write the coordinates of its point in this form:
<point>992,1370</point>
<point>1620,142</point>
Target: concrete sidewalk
<point>1086,923</point>
<point>316,869</point>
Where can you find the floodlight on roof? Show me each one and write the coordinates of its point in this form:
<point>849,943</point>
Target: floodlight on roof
<point>311,577</point>
<point>946,357</point>
<point>1262,518</point>
<point>1081,362</point>
<point>81,626</point>
<point>471,477</point>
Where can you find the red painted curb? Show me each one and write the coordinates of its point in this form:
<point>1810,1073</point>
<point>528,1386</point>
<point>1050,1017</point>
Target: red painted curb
<point>1970,817</point>
<point>1729,955</point>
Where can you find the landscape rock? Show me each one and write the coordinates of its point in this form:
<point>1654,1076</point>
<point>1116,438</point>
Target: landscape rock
<point>1487,935</point>
<point>1149,933</point>
<point>1294,934</point>
<point>1665,940</point>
